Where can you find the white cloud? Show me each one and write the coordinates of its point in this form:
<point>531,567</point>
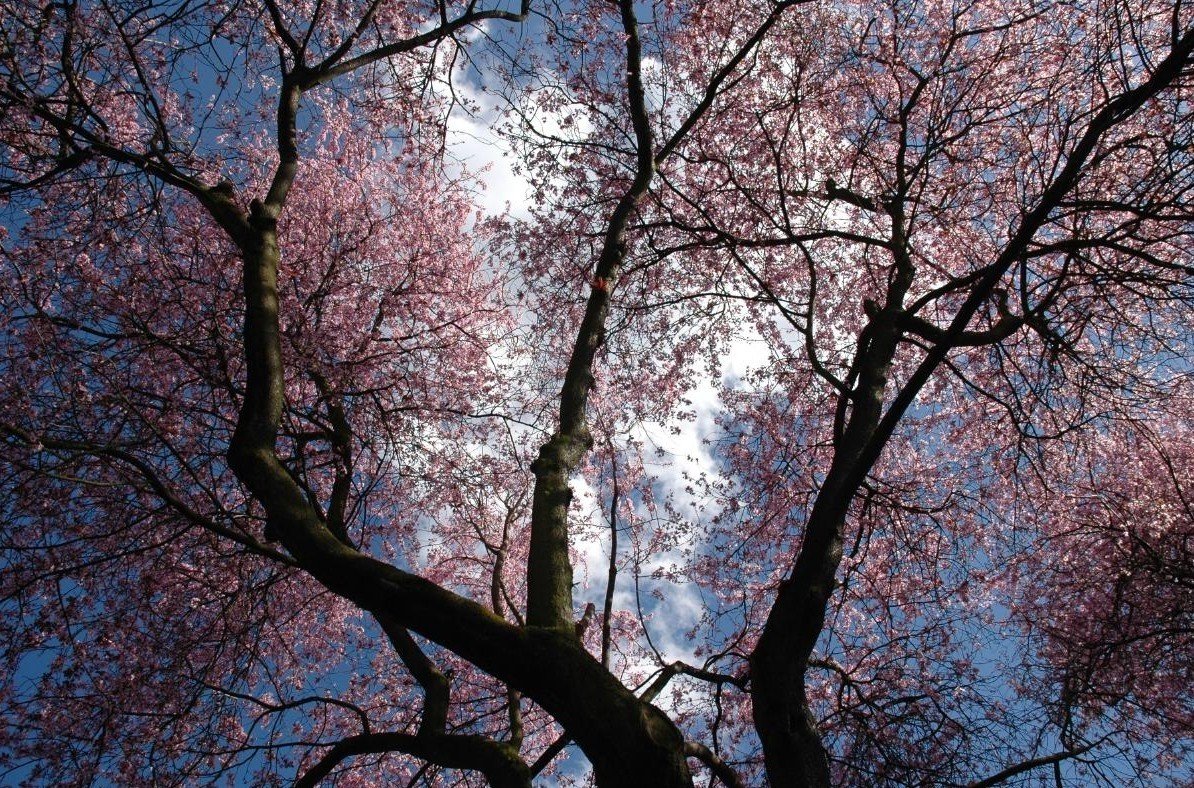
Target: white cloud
<point>486,155</point>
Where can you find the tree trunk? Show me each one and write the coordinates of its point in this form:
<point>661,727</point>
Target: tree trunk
<point>628,741</point>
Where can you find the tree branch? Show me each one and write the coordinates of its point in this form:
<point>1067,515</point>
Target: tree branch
<point>716,765</point>
<point>496,760</point>
<point>1029,765</point>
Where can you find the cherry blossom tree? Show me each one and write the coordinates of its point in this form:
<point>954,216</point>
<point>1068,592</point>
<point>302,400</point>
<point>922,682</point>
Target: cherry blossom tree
<point>824,420</point>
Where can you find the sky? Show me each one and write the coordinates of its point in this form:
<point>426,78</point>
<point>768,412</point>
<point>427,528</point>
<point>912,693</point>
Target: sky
<point>684,452</point>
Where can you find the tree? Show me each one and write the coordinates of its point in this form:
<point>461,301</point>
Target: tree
<point>303,453</point>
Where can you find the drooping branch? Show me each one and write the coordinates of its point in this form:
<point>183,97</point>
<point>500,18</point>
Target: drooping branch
<point>436,687</point>
<point>498,761</point>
